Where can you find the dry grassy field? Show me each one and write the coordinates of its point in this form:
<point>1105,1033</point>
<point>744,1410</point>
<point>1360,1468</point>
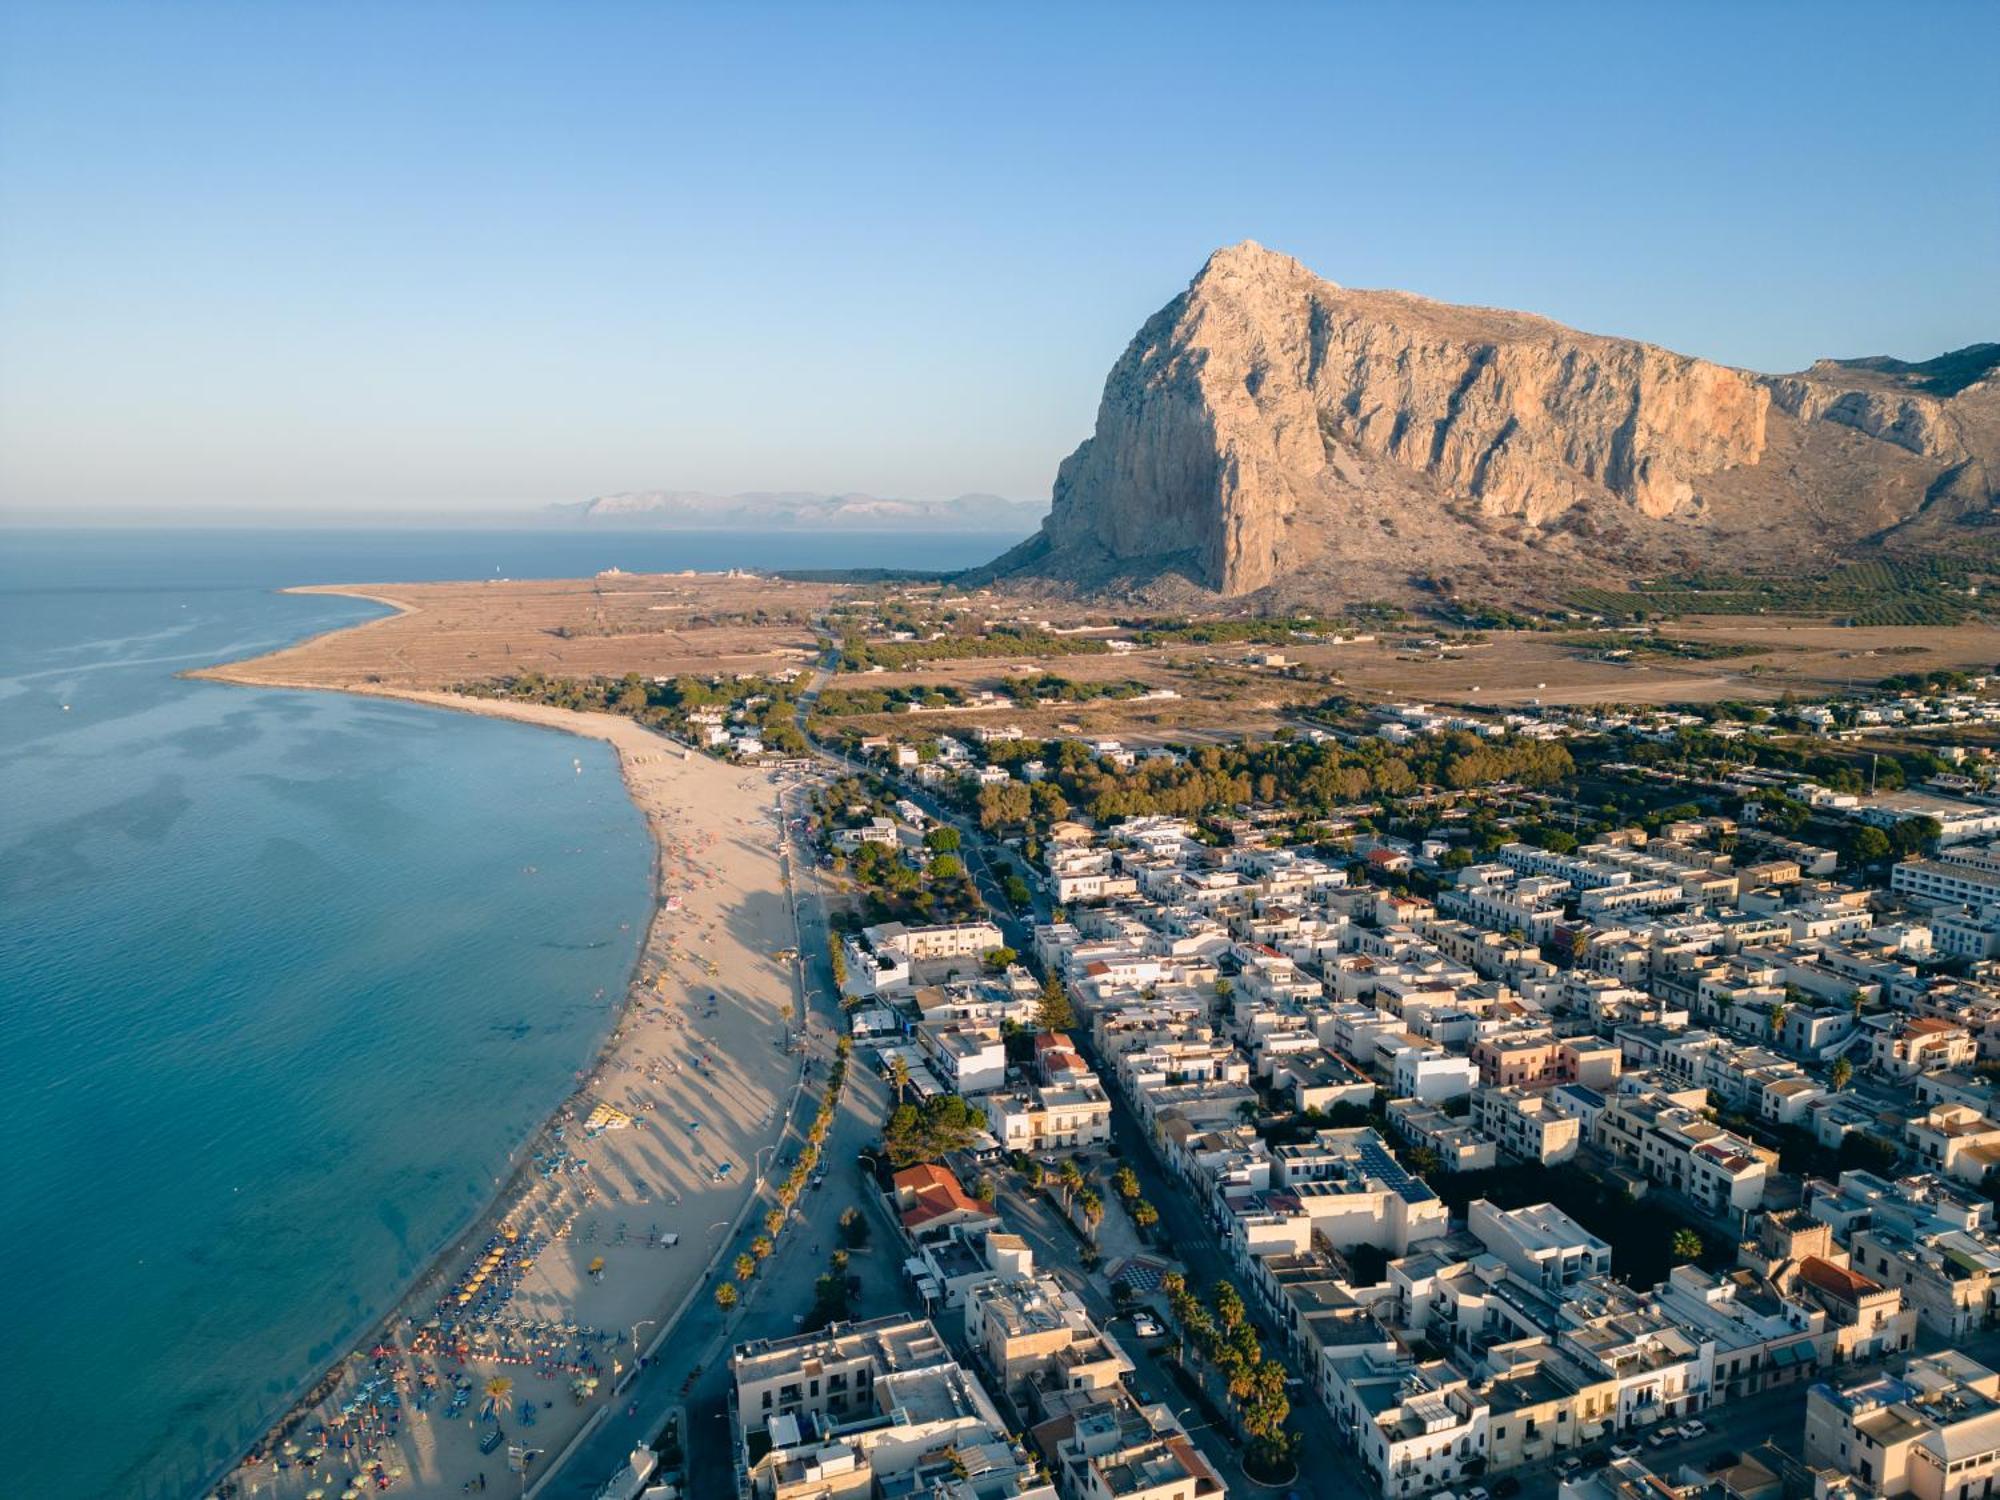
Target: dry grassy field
<point>1800,656</point>
<point>658,625</point>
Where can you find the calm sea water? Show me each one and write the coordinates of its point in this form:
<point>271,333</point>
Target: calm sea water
<point>284,977</point>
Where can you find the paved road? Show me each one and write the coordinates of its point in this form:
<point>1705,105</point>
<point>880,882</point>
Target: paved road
<point>783,1287</point>
<point>1054,1245</point>
<point>1326,1467</point>
<point>988,861</point>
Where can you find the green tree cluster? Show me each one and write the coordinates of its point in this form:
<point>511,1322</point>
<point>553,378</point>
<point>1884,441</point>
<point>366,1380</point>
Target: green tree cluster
<point>931,1130</point>
<point>1220,1334</point>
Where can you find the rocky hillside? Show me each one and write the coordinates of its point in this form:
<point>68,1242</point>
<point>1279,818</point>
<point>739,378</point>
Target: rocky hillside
<point>1271,431</point>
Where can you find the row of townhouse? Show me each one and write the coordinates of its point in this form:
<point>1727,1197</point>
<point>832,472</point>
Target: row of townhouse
<point>1534,1349</point>
<point>1533,1056</point>
<point>883,1408</point>
<point>1677,1147</point>
<point>881,960</point>
<point>863,1409</point>
<point>1753,1080</point>
<point>1928,1236</point>
<point>1499,900</point>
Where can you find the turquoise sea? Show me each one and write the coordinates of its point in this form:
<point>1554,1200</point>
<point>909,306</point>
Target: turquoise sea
<point>284,977</point>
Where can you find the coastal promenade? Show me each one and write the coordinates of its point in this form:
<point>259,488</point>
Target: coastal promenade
<point>531,1322</point>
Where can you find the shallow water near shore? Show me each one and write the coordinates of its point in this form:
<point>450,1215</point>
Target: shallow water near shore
<point>284,977</point>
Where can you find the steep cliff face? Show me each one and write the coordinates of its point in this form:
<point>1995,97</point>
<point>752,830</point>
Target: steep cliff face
<point>1266,421</point>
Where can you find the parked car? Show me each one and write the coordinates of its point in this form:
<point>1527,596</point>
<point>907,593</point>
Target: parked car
<point>1693,1429</point>
<point>1624,1450</point>
<point>1144,1326</point>
<point>1659,1437</point>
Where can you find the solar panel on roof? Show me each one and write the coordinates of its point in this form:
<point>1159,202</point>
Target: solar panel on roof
<point>1379,1163</point>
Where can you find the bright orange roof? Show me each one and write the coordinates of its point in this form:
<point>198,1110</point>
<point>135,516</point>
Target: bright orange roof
<point>1837,1280</point>
<point>937,1193</point>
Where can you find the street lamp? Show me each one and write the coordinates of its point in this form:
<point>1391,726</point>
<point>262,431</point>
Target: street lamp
<point>642,1323</point>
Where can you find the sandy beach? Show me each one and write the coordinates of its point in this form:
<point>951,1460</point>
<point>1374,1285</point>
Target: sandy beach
<point>618,1206</point>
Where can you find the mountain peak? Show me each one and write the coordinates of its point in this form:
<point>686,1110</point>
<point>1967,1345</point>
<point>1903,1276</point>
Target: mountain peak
<point>1268,426</point>
<point>1247,258</point>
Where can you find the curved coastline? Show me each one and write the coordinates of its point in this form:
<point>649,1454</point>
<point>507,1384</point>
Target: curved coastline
<point>630,742</point>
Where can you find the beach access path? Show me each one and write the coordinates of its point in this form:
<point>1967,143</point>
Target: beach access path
<point>690,1094</point>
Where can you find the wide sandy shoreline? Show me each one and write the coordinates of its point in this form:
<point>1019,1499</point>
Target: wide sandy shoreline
<point>715,855</point>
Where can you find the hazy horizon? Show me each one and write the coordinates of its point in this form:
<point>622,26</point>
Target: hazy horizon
<point>471,513</point>
<point>377,260</point>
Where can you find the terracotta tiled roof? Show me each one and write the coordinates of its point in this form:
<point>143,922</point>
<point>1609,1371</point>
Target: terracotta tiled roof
<point>936,1192</point>
<point>1836,1280</point>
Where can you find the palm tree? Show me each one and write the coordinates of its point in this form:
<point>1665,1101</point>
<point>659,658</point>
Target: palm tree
<point>496,1392</point>
<point>1093,1211</point>
<point>1070,1176</point>
<point>1841,1074</point>
<point>774,1221</point>
<point>1686,1244</point>
<point>725,1296</point>
<point>761,1247</point>
<point>1127,1183</point>
<point>1144,1214</point>
<point>1229,1308</point>
<point>745,1267</point>
<point>1778,1014</point>
<point>899,1075</point>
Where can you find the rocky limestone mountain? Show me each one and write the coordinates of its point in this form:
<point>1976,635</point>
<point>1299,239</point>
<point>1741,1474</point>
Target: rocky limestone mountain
<point>1271,431</point>
<point>697,510</point>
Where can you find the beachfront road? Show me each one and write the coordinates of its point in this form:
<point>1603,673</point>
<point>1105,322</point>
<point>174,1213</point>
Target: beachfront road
<point>690,1367</point>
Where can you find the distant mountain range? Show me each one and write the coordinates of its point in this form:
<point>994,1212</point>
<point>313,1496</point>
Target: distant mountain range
<point>693,510</point>
<point>1271,432</point>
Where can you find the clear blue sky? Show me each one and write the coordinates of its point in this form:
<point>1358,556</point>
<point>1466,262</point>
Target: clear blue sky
<point>436,255</point>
